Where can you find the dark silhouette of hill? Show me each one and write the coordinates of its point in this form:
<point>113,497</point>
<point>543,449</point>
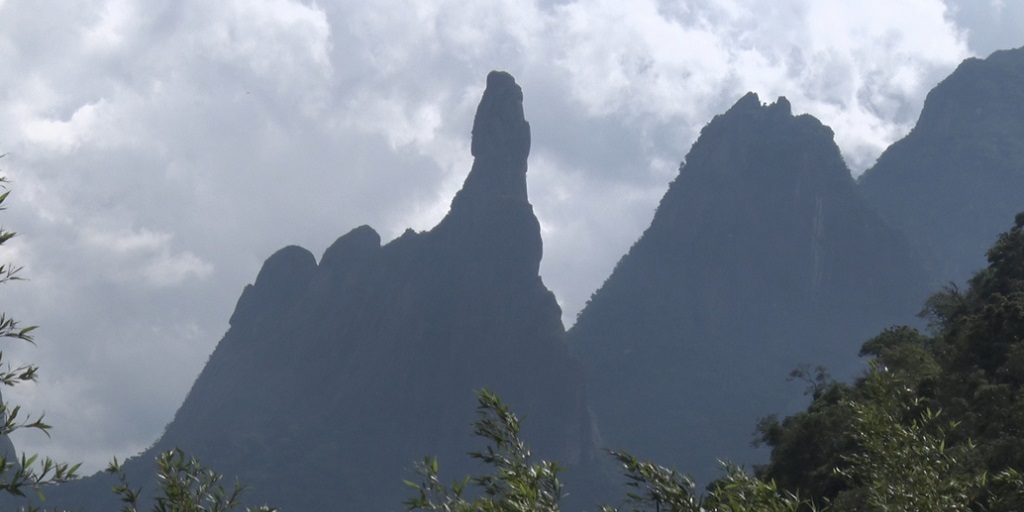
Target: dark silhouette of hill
<point>952,182</point>
<point>335,377</point>
<point>761,257</point>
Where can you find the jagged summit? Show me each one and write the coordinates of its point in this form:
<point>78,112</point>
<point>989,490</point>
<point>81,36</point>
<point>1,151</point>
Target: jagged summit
<point>770,127</point>
<point>751,102</point>
<point>761,157</point>
<point>782,105</point>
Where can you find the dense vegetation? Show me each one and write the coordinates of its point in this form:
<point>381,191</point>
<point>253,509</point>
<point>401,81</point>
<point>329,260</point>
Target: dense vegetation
<point>968,373</point>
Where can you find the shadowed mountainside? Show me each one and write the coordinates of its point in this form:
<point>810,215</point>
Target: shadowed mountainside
<point>952,182</point>
<point>335,377</point>
<point>761,257</point>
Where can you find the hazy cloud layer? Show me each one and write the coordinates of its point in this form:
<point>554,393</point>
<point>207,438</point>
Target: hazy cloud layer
<point>161,150</point>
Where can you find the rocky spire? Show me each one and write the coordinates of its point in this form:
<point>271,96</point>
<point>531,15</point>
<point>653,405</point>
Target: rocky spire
<point>491,217</point>
<point>501,144</point>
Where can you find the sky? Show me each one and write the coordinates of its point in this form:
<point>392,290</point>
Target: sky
<point>161,150</point>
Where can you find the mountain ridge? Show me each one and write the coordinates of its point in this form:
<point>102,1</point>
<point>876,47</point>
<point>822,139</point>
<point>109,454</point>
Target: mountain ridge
<point>371,356</point>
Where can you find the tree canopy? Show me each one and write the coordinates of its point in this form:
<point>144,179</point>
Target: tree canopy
<point>960,383</point>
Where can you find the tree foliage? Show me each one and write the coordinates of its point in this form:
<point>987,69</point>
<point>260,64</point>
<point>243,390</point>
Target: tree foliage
<point>517,484</point>
<point>29,472</point>
<point>654,488</point>
<point>901,461</point>
<point>185,485</point>
<point>946,408</point>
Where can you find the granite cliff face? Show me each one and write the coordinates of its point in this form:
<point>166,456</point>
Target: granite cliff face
<point>761,257</point>
<point>335,377</point>
<point>955,179</point>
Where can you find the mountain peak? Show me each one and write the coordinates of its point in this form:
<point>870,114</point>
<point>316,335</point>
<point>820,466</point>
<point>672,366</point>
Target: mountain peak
<point>751,103</point>
<point>491,217</point>
<point>500,129</point>
<point>501,144</point>
<point>763,224</point>
<point>781,106</point>
<point>279,284</point>
<point>737,143</point>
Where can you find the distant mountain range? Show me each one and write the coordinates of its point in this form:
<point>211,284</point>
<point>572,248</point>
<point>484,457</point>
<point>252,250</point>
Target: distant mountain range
<point>764,254</point>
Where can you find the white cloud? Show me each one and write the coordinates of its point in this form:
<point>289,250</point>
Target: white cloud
<point>171,269</point>
<point>124,242</point>
<point>990,26</point>
<point>143,255</point>
<point>843,62</point>
<point>64,135</point>
<point>110,31</point>
<point>274,38</point>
